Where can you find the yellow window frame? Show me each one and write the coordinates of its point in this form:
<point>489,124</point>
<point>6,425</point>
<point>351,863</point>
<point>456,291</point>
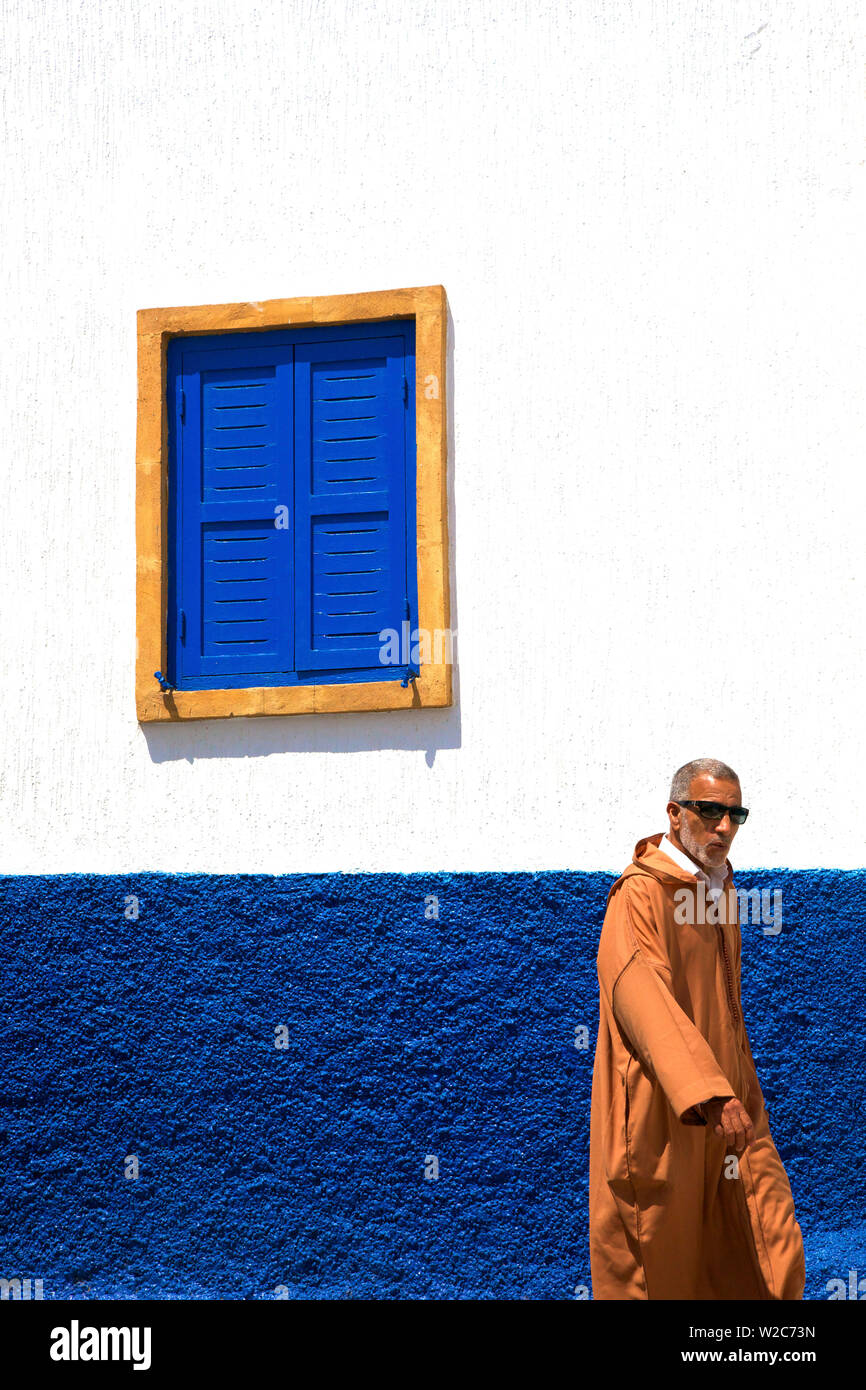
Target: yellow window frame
<point>427,304</point>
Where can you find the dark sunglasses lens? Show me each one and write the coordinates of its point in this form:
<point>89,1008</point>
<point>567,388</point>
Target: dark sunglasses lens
<point>714,810</point>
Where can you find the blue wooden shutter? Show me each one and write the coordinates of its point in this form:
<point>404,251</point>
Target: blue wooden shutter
<point>350,501</point>
<point>235,468</point>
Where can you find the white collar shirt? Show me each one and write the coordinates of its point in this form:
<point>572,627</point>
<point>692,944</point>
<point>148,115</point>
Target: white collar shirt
<point>714,879</point>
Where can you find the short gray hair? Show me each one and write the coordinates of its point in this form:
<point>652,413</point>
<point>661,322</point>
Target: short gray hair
<point>710,767</point>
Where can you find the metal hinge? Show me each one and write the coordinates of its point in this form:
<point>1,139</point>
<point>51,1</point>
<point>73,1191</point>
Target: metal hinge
<point>405,391</point>
<point>181,618</point>
<point>411,673</point>
<point>182,405</point>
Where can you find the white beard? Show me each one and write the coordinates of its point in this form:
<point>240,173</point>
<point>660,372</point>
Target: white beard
<point>699,852</point>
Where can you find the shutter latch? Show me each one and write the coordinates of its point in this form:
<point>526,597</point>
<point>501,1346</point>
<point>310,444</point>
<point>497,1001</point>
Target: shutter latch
<point>164,684</point>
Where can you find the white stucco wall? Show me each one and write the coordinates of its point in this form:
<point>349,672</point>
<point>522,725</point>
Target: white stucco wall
<point>649,219</point>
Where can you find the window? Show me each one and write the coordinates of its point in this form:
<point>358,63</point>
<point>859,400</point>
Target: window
<point>292,531</point>
<point>293,512</point>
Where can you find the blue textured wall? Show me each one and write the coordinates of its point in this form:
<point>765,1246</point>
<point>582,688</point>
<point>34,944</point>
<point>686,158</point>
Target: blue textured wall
<point>408,1036</point>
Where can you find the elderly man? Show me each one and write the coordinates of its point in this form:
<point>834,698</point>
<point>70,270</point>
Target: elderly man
<point>688,1197</point>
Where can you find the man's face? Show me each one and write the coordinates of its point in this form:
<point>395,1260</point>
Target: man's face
<point>705,840</point>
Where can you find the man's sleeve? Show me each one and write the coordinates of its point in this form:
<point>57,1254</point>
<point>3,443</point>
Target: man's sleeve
<point>700,1112</point>
<point>755,1102</point>
<point>659,1030</point>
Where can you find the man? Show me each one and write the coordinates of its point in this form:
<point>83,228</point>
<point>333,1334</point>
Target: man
<point>688,1197</point>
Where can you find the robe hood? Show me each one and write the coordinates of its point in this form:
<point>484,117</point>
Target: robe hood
<point>649,859</point>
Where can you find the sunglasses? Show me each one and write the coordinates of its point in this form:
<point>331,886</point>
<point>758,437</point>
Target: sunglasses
<point>714,810</point>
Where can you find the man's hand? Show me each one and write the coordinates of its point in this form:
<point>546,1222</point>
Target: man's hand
<point>730,1121</point>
